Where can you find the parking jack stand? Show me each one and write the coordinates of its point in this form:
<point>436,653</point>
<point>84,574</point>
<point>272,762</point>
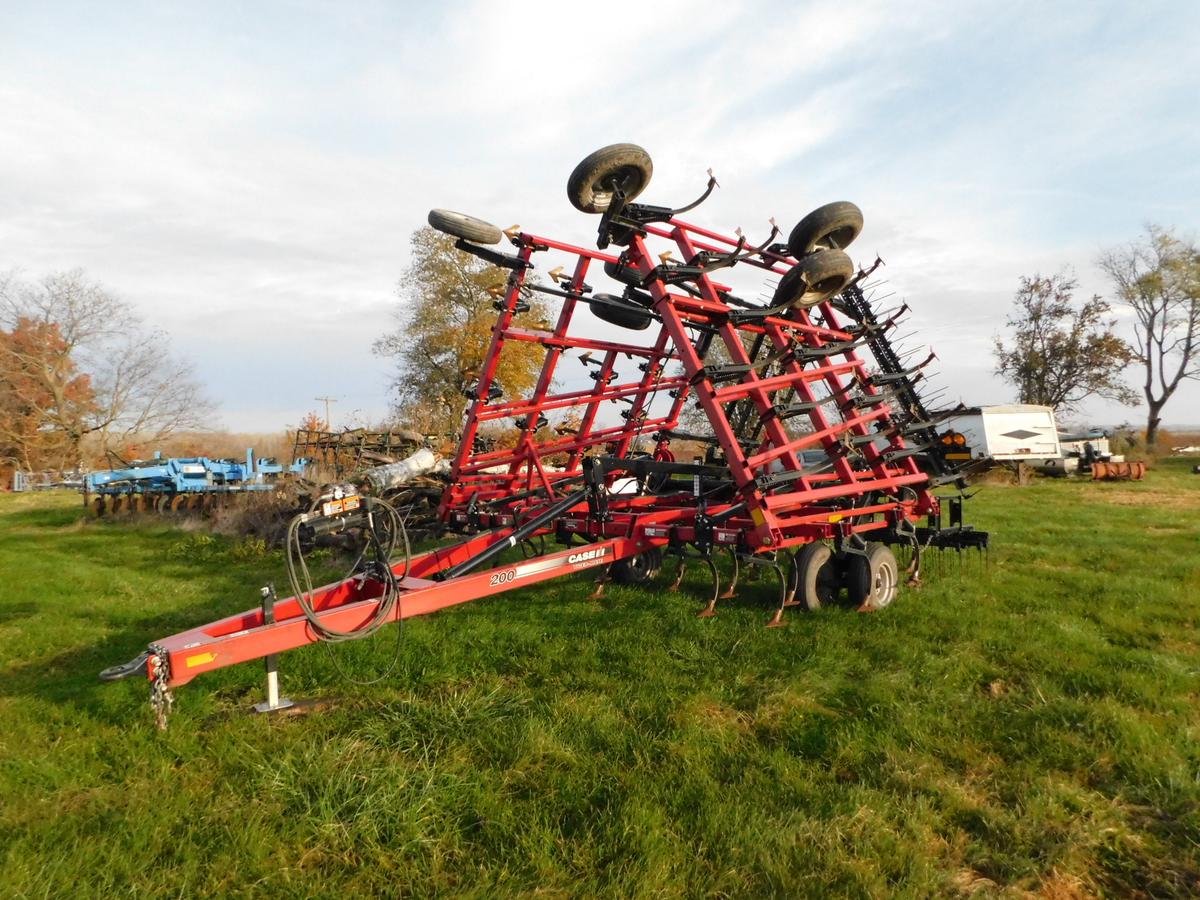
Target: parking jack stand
<point>274,702</point>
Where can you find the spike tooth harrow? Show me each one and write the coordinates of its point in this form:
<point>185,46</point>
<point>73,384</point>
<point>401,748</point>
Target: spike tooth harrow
<point>758,493</point>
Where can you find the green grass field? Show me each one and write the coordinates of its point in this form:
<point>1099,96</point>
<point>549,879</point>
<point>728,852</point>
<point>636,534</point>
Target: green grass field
<point>1032,727</point>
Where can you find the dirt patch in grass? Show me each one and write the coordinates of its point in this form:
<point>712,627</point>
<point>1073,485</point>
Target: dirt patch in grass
<point>1150,497</point>
<point>968,882</point>
<point>709,715</point>
<point>1063,886</point>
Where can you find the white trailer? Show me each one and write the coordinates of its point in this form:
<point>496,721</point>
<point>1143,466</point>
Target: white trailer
<point>1015,433</point>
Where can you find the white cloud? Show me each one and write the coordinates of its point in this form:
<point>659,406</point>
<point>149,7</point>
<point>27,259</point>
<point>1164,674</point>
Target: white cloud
<point>253,189</point>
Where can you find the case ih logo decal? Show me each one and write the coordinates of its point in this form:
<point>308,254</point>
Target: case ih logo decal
<point>586,555</point>
<point>580,560</point>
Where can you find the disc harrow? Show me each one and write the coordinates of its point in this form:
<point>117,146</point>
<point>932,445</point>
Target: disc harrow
<point>183,484</point>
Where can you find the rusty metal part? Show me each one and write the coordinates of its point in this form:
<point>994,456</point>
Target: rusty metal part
<point>1118,471</point>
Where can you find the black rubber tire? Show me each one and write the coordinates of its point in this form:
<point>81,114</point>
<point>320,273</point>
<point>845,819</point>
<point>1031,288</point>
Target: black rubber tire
<point>820,577</point>
<point>463,226</point>
<point>623,274</point>
<point>833,226</point>
<point>637,569</point>
<point>618,311</point>
<point>814,278</point>
<point>872,581</point>
<point>591,184</point>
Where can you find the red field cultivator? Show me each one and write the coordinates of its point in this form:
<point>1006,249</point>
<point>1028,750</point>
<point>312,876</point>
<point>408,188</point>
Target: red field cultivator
<point>813,460</point>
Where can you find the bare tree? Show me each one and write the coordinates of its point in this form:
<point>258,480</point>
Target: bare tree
<point>136,389</point>
<point>1060,353</point>
<point>1158,277</point>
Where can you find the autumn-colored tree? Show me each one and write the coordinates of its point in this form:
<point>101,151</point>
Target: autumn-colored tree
<point>134,390</point>
<point>1061,352</point>
<point>39,385</point>
<point>1158,278</point>
<point>312,422</point>
<point>444,328</point>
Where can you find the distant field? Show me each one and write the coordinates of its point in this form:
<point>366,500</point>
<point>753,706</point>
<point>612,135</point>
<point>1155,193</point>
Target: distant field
<point>1031,727</point>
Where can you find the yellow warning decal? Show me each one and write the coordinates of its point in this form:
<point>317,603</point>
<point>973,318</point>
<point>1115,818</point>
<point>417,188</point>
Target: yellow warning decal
<point>836,517</point>
<point>200,659</point>
<point>758,517</point>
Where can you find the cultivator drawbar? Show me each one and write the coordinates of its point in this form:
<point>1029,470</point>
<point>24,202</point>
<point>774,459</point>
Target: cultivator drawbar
<point>812,458</point>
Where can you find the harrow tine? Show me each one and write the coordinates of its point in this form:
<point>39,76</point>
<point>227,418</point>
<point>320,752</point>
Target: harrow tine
<point>601,581</point>
<point>793,581</point>
<point>680,573</point>
<point>731,591</point>
<point>711,607</point>
<point>777,619</point>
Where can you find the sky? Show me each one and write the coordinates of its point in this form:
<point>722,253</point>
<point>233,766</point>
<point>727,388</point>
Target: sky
<point>248,175</point>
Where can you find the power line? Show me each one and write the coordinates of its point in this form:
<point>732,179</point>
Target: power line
<point>327,401</point>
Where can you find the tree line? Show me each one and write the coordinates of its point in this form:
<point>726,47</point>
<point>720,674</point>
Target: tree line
<point>82,376</point>
<point>1060,351</point>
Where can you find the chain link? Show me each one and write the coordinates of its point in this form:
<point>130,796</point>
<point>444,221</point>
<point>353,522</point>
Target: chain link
<point>160,695</point>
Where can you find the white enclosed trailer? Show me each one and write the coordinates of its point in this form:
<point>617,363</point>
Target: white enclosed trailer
<point>1015,433</point>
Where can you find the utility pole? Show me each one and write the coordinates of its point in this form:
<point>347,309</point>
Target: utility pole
<point>327,400</point>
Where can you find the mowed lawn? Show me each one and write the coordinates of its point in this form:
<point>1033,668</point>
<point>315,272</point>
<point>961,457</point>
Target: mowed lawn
<point>1029,726</point>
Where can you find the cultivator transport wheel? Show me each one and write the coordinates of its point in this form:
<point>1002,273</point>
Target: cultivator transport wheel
<point>873,579</point>
<point>833,226</point>
<point>641,568</point>
<point>466,227</point>
<point>623,274</point>
<point>623,168</point>
<point>814,279</point>
<point>620,312</point>
<point>819,575</point>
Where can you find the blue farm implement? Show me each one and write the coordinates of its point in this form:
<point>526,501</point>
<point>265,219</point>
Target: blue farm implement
<point>178,484</point>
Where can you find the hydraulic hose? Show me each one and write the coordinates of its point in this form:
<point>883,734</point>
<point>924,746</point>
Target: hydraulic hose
<point>384,529</point>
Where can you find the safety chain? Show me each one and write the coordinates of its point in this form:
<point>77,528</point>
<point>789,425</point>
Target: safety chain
<point>160,695</point>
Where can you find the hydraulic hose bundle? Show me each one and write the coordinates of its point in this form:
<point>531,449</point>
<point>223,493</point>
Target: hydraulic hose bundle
<point>382,529</point>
